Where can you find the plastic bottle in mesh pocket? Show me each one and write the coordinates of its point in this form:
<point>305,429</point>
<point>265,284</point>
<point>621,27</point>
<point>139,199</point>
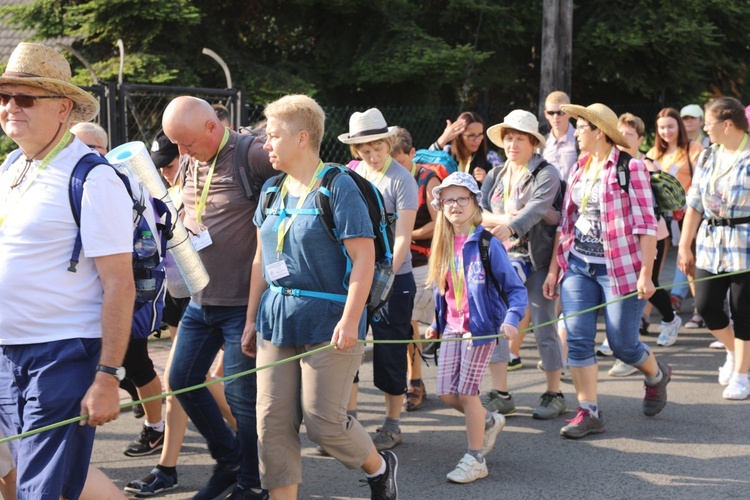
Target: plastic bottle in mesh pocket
<point>382,285</point>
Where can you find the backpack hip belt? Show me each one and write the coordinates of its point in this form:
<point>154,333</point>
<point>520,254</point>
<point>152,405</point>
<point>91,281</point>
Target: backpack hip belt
<point>296,292</point>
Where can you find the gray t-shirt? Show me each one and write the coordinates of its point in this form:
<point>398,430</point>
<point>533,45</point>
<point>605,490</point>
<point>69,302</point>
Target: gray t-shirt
<point>315,263</point>
<point>589,246</point>
<point>399,190</point>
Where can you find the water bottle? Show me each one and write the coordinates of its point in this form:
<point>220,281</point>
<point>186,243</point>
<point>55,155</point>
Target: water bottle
<point>382,286</point>
<point>146,258</point>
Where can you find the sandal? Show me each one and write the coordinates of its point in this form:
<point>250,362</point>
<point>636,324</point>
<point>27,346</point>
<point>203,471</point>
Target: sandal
<point>415,395</point>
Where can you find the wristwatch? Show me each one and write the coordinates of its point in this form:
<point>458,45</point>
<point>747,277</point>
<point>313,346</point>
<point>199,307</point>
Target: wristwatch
<point>118,373</point>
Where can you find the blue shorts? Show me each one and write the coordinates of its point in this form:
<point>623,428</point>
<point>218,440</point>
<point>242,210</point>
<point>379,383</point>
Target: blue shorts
<point>41,384</point>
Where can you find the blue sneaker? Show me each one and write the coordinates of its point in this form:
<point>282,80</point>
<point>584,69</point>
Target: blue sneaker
<point>156,482</point>
<point>221,483</point>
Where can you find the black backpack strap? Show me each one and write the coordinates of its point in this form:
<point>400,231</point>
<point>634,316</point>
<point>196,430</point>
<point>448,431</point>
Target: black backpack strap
<point>270,194</point>
<point>623,171</point>
<point>241,174</point>
<point>484,253</point>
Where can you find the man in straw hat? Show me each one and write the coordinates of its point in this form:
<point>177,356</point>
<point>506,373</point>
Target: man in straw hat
<point>56,326</point>
<point>605,247</point>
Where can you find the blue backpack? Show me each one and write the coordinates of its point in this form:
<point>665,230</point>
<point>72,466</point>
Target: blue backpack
<point>147,316</point>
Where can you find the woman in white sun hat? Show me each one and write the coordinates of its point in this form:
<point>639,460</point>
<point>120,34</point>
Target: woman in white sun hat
<point>368,138</point>
<point>605,248</point>
<point>518,202</point>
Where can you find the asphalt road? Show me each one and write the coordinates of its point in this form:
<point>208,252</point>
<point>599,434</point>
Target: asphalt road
<point>697,448</point>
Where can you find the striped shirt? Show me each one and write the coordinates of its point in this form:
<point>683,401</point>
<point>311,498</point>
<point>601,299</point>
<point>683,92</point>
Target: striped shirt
<point>624,218</point>
<point>722,249</point>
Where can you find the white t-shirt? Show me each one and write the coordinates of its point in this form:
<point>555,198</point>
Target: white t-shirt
<point>40,300</point>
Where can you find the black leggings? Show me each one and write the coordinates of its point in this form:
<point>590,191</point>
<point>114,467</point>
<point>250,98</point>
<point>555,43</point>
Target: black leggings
<point>138,365</point>
<point>660,298</point>
<point>709,300</point>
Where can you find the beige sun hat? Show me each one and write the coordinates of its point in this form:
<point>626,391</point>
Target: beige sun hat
<point>367,127</point>
<point>40,66</point>
<point>601,116</point>
<point>520,120</point>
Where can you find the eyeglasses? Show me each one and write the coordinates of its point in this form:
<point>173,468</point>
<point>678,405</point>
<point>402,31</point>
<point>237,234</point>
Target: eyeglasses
<point>472,137</point>
<point>709,124</point>
<point>553,113</point>
<point>582,128</point>
<point>462,201</point>
<point>24,101</point>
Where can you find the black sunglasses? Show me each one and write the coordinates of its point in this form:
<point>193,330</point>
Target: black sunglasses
<point>553,113</point>
<point>24,101</point>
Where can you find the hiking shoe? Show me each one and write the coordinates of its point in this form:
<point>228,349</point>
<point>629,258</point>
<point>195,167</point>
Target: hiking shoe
<point>583,424</point>
<point>138,411</point>
<point>656,395</point>
<point>621,369</point>
<point>676,303</point>
<point>493,401</point>
<point>468,470</point>
<point>725,372</point>
<point>604,349</point>
<point>490,435</point>
<point>156,482</point>
<point>149,442</point>
<point>551,405</point>
<point>240,493</point>
<point>717,344</point>
<point>668,334</point>
<point>384,486</point>
<point>695,322</point>
<point>643,330</point>
<point>385,440</point>
<point>736,390</point>
<point>221,483</point>
<point>515,364</point>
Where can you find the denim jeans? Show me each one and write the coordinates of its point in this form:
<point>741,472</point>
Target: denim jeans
<point>587,285</point>
<point>680,291</point>
<point>203,330</point>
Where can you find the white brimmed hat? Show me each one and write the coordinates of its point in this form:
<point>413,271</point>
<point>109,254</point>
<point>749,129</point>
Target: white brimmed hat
<point>601,116</point>
<point>519,120</point>
<point>691,110</point>
<point>40,66</point>
<point>457,179</point>
<point>367,127</point>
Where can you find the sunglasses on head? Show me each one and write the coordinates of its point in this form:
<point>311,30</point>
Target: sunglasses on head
<point>24,101</point>
<point>553,113</point>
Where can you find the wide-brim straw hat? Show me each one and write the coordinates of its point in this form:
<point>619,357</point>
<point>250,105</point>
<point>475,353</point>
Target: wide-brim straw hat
<point>601,116</point>
<point>519,120</point>
<point>367,127</point>
<point>40,66</point>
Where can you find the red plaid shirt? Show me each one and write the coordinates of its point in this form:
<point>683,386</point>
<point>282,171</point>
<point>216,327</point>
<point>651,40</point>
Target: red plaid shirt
<point>624,217</point>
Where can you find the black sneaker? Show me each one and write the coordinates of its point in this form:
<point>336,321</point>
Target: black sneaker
<point>156,482</point>
<point>149,442</point>
<point>384,487</point>
<point>240,493</point>
<point>515,364</point>
<point>221,483</point>
<point>138,411</point>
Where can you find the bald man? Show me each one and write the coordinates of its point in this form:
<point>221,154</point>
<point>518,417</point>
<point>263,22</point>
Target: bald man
<point>220,216</point>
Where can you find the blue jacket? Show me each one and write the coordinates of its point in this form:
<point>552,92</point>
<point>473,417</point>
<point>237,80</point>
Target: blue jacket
<point>487,311</point>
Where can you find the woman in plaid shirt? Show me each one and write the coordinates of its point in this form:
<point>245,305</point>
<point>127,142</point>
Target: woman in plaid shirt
<point>720,197</point>
<point>605,246</point>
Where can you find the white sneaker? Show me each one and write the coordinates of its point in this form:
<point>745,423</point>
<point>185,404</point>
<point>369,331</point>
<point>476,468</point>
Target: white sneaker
<point>668,335</point>
<point>736,390</point>
<point>716,344</point>
<point>490,435</point>
<point>604,349</point>
<point>468,470</point>
<point>621,369</point>
<point>725,372</point>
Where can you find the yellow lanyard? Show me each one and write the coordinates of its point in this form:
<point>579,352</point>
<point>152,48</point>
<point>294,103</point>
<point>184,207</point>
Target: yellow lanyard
<point>42,165</point>
<point>200,203</point>
<point>414,168</point>
<point>283,225</point>
<point>715,178</point>
<point>464,167</point>
<point>590,182</point>
<point>457,275</point>
<point>507,187</point>
<point>382,171</point>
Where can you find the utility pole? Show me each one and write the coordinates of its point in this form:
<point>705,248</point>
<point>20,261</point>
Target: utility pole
<point>557,48</point>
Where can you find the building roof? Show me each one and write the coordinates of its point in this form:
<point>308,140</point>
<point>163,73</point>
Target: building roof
<point>10,37</point>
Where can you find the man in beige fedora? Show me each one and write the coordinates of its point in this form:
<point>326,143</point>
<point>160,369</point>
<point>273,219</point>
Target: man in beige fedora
<point>62,334</point>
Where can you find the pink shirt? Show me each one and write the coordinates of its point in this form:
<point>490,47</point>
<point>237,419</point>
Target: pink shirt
<point>459,322</point>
